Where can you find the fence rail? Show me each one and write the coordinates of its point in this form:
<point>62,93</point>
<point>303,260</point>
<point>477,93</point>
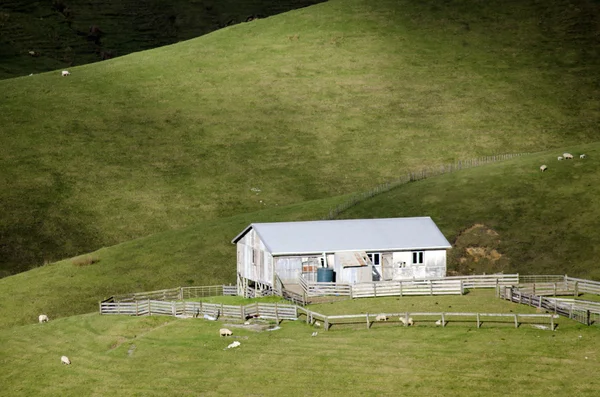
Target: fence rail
<point>148,307</point>
<point>426,317</point>
<point>416,176</point>
<point>584,315</point>
<point>486,280</point>
<point>584,286</point>
<point>178,293</point>
<point>404,288</point>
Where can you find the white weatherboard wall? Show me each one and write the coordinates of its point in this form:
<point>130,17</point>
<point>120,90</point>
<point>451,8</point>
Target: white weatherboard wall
<point>254,262</point>
<point>433,266</point>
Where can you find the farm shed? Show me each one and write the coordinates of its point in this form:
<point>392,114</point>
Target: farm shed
<point>345,251</point>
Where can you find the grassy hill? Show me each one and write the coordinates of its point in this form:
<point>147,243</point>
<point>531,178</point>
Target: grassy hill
<point>119,355</point>
<point>63,33</point>
<point>314,103</point>
<point>531,222</point>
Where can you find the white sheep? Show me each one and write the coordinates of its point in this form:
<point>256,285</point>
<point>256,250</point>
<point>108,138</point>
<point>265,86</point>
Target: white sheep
<point>65,360</point>
<point>543,167</point>
<point>225,332</point>
<point>406,322</point>
<point>65,73</point>
<point>582,156</point>
<point>314,333</point>
<point>317,324</point>
<point>438,322</point>
<point>560,158</point>
<point>568,156</point>
<point>233,344</point>
<point>43,318</point>
<point>381,317</point>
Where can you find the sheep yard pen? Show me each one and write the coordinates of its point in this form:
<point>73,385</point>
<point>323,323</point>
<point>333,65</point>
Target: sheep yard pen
<point>532,290</point>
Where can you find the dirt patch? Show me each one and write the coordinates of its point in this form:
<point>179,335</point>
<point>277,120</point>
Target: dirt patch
<point>476,250</point>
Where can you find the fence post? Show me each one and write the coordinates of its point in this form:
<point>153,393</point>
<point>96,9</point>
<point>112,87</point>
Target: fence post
<point>443,320</point>
<point>368,325</point>
<point>430,288</point>
<point>576,288</point>
<point>375,289</point>
<point>516,321</point>
<point>180,293</point>
<point>276,313</point>
<point>478,322</point>
<point>149,309</point>
<point>587,322</point>
<point>400,288</point>
<point>406,319</point>
<point>326,323</point>
<point>555,290</point>
<point>100,306</point>
<point>462,288</point>
<point>136,308</point>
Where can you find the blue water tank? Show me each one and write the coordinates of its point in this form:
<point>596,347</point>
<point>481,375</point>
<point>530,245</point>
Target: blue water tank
<point>324,275</point>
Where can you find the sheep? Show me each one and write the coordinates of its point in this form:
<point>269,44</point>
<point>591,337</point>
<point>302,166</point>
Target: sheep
<point>406,322</point>
<point>225,332</point>
<point>43,318</point>
<point>543,167</point>
<point>65,360</point>
<point>317,324</point>
<point>568,156</point>
<point>65,73</point>
<point>381,317</point>
<point>438,322</point>
<point>582,156</point>
<point>233,344</point>
<point>314,333</point>
<point>560,158</point>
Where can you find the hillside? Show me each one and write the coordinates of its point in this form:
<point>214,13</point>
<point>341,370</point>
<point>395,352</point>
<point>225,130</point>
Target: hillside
<point>65,33</point>
<point>539,223</point>
<point>314,103</point>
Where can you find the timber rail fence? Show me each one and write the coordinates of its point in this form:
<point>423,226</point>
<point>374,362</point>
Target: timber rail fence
<point>178,293</point>
<point>585,312</point>
<point>416,176</point>
<point>280,312</point>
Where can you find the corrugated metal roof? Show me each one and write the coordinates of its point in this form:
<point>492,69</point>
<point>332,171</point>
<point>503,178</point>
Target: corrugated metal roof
<point>387,234</point>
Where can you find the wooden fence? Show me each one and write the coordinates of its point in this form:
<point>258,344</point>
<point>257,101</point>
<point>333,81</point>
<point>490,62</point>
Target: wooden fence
<point>279,312</point>
<point>406,288</point>
<point>441,318</point>
<point>416,176</point>
<point>583,286</point>
<point>578,313</point>
<point>149,307</point>
<point>178,293</point>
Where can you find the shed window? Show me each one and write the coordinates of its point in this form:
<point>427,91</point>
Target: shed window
<point>417,257</point>
<point>375,258</point>
<point>255,254</point>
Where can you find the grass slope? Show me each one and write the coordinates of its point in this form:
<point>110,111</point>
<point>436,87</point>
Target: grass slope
<point>119,355</point>
<point>313,103</point>
<point>60,34</point>
<point>544,223</point>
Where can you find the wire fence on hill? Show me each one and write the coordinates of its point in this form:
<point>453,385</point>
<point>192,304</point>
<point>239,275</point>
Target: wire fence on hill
<point>417,176</point>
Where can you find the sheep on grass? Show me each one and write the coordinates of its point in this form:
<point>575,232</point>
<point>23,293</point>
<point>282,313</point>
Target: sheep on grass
<point>404,321</point>
<point>381,317</point>
<point>43,318</point>
<point>582,156</point>
<point>543,167</point>
<point>65,360</point>
<point>65,73</point>
<point>568,156</point>
<point>225,332</point>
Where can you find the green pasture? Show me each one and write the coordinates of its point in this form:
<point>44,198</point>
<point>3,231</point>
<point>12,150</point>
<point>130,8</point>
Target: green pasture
<point>152,356</point>
<point>318,102</point>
